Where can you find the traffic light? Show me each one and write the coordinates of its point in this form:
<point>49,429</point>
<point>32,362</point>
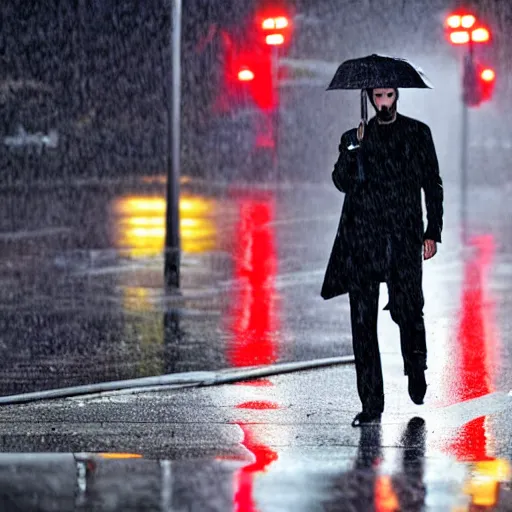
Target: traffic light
<point>275,28</point>
<point>487,77</point>
<point>478,83</point>
<point>463,27</point>
<point>245,74</point>
<point>252,74</point>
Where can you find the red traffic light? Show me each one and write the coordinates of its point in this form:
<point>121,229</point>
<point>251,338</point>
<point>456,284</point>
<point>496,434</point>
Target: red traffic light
<point>460,21</point>
<point>488,75</point>
<point>278,23</point>
<point>245,75</point>
<point>275,39</point>
<point>459,37</point>
<point>479,82</point>
<point>463,27</point>
<point>276,28</point>
<point>488,80</point>
<point>480,35</point>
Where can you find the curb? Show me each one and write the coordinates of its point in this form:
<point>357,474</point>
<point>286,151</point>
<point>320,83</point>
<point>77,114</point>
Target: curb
<point>177,380</point>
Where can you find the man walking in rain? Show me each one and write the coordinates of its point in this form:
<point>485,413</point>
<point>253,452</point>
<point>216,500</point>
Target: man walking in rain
<point>381,238</point>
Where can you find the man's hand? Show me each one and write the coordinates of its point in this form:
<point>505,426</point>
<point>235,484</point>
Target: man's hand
<point>429,249</point>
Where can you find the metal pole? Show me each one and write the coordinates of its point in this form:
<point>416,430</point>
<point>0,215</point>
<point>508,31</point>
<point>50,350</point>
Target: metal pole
<point>172,234</point>
<point>275,83</point>
<point>464,180</point>
<point>464,172</point>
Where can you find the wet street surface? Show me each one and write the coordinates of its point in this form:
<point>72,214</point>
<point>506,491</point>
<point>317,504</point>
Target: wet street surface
<point>283,443</point>
<point>88,123</point>
<point>82,297</point>
<point>82,302</point>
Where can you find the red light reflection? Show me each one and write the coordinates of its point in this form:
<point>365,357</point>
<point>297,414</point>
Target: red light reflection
<point>258,405</point>
<point>254,322</point>
<point>244,499</point>
<point>254,299</point>
<point>474,352</point>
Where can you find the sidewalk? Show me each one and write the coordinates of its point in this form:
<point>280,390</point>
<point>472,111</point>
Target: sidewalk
<point>281,444</point>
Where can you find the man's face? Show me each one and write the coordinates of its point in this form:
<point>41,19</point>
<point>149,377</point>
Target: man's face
<point>384,98</point>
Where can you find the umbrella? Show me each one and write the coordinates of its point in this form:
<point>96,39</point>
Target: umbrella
<point>375,71</point>
<point>378,71</point>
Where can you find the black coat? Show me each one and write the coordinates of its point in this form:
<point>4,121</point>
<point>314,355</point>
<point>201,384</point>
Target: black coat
<point>381,229</point>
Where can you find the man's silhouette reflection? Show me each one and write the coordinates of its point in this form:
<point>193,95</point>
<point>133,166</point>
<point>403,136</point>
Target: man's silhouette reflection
<point>408,484</point>
<point>365,489</point>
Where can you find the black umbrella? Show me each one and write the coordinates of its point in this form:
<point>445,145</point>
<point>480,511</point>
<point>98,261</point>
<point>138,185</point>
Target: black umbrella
<point>372,72</point>
<point>378,71</point>
<point>375,71</point>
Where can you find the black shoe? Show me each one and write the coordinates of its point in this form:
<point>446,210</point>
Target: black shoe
<point>417,385</point>
<point>366,418</point>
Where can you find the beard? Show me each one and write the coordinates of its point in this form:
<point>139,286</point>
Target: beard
<point>386,114</point>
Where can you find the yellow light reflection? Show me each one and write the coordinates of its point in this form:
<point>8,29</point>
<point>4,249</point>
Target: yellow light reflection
<point>162,179</point>
<point>119,455</point>
<point>145,233</point>
<point>146,221</point>
<point>136,299</point>
<point>140,224</point>
<point>196,206</point>
<point>190,223</point>
<point>147,330</point>
<point>386,499</point>
<point>484,482</point>
<point>131,205</point>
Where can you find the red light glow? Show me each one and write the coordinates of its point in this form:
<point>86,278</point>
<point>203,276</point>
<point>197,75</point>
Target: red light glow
<point>279,23</point>
<point>245,75</point>
<point>456,21</point>
<point>488,75</point>
<point>459,37</point>
<point>275,39</point>
<point>480,35</point>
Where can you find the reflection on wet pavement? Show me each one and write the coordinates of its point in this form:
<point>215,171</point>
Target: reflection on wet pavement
<point>403,490</point>
<point>84,303</point>
<point>368,476</point>
<point>139,225</point>
<point>89,296</point>
<point>474,361</point>
<point>254,310</point>
<point>254,323</point>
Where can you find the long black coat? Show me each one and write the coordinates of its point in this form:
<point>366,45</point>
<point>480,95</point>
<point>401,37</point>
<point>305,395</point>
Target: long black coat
<point>381,229</point>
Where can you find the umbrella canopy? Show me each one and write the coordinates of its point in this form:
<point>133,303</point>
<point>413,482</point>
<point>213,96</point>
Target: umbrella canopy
<point>378,71</point>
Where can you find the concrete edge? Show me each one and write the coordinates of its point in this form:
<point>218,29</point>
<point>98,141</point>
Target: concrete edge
<point>175,381</point>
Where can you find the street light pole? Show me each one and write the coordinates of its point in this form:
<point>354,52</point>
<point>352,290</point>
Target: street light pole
<point>468,62</point>
<point>277,111</point>
<point>172,233</point>
<point>463,28</point>
<point>464,172</point>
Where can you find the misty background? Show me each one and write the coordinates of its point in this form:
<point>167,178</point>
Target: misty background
<point>98,73</point>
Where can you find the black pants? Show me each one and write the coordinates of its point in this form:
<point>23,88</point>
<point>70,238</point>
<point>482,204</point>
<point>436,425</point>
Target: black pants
<point>406,308</point>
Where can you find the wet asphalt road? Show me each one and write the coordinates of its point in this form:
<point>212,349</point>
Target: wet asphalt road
<point>280,444</point>
<point>81,278</point>
<point>82,302</point>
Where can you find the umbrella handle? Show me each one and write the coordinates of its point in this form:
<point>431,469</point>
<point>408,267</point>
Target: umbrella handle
<point>364,115</point>
<point>360,130</point>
